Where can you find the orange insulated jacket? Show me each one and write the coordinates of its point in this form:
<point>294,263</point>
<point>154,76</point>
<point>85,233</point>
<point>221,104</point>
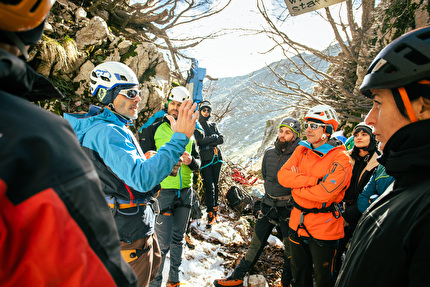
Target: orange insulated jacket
<point>318,178</point>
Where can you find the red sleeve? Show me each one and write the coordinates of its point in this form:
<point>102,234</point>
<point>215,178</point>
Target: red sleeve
<point>42,245</point>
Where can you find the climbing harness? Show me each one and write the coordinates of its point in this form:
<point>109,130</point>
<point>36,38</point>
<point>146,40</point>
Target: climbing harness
<point>215,159</point>
<point>275,202</point>
<point>333,208</point>
<point>117,204</point>
<point>177,202</point>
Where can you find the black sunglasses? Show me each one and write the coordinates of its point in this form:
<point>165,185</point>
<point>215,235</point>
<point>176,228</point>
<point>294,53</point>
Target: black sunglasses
<point>206,110</point>
<point>314,126</point>
<point>130,93</point>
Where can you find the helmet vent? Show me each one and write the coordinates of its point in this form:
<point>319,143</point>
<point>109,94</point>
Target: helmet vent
<point>35,6</point>
<point>424,36</point>
<point>417,58</point>
<point>12,2</point>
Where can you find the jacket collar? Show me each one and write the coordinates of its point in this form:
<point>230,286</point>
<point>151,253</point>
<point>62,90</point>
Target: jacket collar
<point>408,151</point>
<point>323,149</point>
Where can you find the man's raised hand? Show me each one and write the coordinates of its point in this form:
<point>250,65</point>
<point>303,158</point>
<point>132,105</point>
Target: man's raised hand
<point>186,122</point>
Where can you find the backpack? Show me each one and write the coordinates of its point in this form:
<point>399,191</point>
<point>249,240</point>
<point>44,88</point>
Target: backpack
<point>237,198</point>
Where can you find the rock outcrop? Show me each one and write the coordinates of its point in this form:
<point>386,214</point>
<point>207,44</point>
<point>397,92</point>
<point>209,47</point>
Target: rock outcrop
<point>74,44</point>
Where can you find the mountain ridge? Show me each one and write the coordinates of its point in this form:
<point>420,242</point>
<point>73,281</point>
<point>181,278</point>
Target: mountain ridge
<point>245,126</point>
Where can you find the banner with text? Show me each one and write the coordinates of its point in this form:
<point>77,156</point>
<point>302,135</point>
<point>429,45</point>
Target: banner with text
<point>297,7</point>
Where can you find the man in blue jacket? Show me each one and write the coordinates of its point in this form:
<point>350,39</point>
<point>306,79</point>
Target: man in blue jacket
<point>129,180</point>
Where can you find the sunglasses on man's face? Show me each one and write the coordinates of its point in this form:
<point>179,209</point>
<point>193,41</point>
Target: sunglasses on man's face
<point>314,126</point>
<point>130,93</point>
<point>206,110</point>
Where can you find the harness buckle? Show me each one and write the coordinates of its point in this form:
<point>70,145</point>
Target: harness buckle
<point>302,219</point>
<point>336,211</point>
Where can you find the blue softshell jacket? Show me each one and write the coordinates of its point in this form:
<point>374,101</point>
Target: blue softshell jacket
<point>124,171</point>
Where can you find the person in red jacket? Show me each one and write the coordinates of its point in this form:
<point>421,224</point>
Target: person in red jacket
<point>318,172</point>
<point>55,226</point>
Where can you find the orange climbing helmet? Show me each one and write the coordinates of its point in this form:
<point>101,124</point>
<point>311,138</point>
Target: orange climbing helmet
<point>23,15</point>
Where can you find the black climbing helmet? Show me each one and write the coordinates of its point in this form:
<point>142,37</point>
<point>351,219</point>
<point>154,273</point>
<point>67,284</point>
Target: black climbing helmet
<point>291,123</point>
<point>404,61</point>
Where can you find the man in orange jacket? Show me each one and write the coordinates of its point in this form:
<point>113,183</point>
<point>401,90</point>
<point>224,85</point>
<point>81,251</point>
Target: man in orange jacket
<point>318,172</point>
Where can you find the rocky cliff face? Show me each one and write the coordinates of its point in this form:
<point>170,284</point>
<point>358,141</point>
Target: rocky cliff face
<point>74,44</point>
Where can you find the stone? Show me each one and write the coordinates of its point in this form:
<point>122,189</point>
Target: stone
<point>257,280</point>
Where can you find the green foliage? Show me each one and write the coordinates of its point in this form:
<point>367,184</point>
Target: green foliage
<point>347,129</point>
<point>67,87</point>
<point>130,53</point>
<point>251,222</point>
<point>149,73</point>
<point>404,13</point>
<point>99,53</point>
<point>72,102</point>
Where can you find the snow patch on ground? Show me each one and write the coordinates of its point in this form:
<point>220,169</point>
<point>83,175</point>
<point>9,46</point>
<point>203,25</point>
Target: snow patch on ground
<point>202,265</point>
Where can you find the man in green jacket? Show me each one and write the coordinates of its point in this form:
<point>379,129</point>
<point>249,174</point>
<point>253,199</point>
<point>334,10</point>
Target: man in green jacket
<point>176,195</point>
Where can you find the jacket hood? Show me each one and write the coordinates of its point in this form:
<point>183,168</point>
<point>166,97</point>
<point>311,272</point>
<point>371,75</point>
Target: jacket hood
<point>81,123</point>
<point>19,79</point>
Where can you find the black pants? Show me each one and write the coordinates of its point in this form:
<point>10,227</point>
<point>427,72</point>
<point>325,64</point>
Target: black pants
<point>349,230</point>
<point>309,254</point>
<point>210,175</point>
<point>268,219</point>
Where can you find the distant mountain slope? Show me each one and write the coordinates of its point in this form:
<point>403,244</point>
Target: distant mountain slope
<point>244,127</point>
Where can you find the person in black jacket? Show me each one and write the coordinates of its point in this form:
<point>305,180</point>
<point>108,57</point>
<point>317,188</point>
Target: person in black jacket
<point>390,246</point>
<point>211,159</point>
<point>275,207</point>
<point>55,226</point>
<point>363,159</point>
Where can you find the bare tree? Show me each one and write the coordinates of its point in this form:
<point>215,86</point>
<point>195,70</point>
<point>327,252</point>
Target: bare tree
<point>154,20</point>
<point>336,72</point>
<point>224,108</point>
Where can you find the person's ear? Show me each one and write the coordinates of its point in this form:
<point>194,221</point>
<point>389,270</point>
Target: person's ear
<point>422,108</point>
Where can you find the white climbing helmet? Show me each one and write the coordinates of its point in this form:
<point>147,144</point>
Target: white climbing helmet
<point>107,79</point>
<point>178,94</point>
<point>324,113</point>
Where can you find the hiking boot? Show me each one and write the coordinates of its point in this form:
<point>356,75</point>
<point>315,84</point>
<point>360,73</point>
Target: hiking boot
<point>174,284</point>
<point>189,242</point>
<point>230,282</point>
<point>211,219</point>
